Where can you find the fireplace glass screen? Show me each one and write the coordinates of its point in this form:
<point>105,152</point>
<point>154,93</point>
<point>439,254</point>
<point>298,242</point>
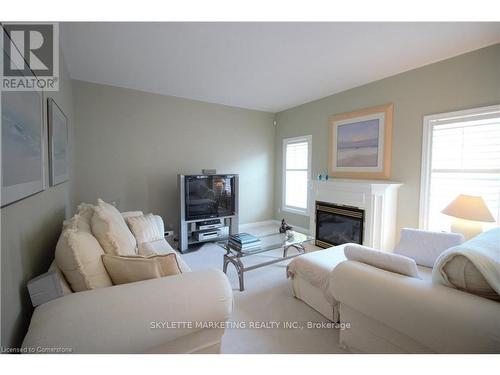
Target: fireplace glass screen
<point>336,225</point>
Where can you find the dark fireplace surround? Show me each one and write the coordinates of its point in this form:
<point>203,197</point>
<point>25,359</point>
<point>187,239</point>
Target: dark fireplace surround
<point>337,224</point>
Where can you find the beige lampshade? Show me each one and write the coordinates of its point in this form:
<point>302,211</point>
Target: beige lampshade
<point>470,208</point>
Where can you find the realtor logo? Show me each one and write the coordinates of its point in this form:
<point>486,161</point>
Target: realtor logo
<point>30,56</point>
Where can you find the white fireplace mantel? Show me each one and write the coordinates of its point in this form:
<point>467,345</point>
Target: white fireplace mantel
<point>377,198</point>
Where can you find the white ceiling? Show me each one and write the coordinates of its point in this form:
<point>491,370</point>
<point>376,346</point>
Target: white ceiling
<point>264,66</point>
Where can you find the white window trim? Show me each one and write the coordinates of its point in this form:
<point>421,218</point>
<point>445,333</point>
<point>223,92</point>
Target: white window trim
<point>284,207</point>
<point>429,122</point>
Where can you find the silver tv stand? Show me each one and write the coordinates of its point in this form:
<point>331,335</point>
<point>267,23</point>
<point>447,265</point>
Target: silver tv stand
<point>187,228</point>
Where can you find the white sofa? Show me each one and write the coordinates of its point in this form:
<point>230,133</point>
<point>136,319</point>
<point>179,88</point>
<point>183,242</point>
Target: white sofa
<point>171,314</point>
<point>391,313</point>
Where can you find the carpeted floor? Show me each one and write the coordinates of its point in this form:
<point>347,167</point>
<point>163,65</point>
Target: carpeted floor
<point>266,301</point>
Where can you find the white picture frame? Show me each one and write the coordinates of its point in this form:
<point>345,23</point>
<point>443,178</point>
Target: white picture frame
<point>23,145</point>
<point>58,143</point>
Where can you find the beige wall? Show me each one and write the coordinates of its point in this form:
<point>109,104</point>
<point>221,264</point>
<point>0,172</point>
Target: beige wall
<point>132,144</point>
<point>466,81</point>
<point>30,229</point>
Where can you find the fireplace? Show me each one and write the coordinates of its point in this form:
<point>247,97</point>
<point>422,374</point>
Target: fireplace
<point>377,199</point>
<point>336,224</point>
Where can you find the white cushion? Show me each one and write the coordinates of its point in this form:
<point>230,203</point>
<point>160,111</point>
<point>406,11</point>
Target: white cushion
<point>110,229</point>
<point>83,217</point>
<point>381,259</point>
<point>78,256</point>
<point>425,246</point>
<point>144,228</point>
<point>128,269</point>
<point>128,214</point>
<point>159,223</point>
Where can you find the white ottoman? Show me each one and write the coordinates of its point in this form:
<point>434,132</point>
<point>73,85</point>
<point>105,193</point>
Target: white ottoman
<point>310,274</point>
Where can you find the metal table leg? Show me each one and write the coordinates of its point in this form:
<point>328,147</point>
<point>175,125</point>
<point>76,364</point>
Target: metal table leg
<point>241,269</point>
<point>299,248</point>
<point>238,265</point>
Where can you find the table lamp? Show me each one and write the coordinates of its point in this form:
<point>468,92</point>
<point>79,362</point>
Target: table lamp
<point>470,212</point>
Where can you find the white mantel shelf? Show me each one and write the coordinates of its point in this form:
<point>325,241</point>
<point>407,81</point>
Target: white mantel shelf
<point>378,198</point>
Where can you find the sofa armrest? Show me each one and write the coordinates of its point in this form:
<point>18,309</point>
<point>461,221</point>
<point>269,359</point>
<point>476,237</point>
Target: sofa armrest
<point>132,318</point>
<point>441,318</point>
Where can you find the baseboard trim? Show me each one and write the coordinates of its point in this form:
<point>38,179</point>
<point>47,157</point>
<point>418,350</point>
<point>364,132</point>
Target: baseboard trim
<point>256,224</point>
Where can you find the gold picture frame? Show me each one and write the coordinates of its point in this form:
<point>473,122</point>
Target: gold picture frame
<point>360,143</point>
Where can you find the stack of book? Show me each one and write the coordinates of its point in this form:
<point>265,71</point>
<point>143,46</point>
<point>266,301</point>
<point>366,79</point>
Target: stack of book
<point>244,242</point>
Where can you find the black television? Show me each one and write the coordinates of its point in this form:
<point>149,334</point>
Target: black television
<point>210,196</point>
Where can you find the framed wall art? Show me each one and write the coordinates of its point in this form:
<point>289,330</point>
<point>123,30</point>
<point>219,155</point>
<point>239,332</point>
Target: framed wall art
<point>58,143</point>
<point>360,143</point>
<point>23,141</point>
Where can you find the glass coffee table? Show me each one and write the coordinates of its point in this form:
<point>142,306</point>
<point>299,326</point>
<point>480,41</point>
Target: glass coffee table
<point>268,242</point>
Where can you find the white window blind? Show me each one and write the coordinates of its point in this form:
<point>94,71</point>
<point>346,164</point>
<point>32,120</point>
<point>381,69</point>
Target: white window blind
<point>296,174</point>
<point>461,156</point>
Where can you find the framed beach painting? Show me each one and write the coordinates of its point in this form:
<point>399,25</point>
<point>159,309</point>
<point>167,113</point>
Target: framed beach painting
<point>58,144</point>
<point>360,143</point>
<point>22,144</point>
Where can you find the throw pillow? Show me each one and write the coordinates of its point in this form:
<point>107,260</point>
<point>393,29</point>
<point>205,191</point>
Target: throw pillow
<point>110,229</point>
<point>78,256</point>
<point>144,228</point>
<point>129,269</point>
<point>425,246</point>
<point>381,259</point>
<point>82,218</point>
<point>161,247</point>
<point>128,214</point>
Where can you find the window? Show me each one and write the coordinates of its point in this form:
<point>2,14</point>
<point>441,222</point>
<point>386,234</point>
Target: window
<point>296,174</point>
<point>460,155</point>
